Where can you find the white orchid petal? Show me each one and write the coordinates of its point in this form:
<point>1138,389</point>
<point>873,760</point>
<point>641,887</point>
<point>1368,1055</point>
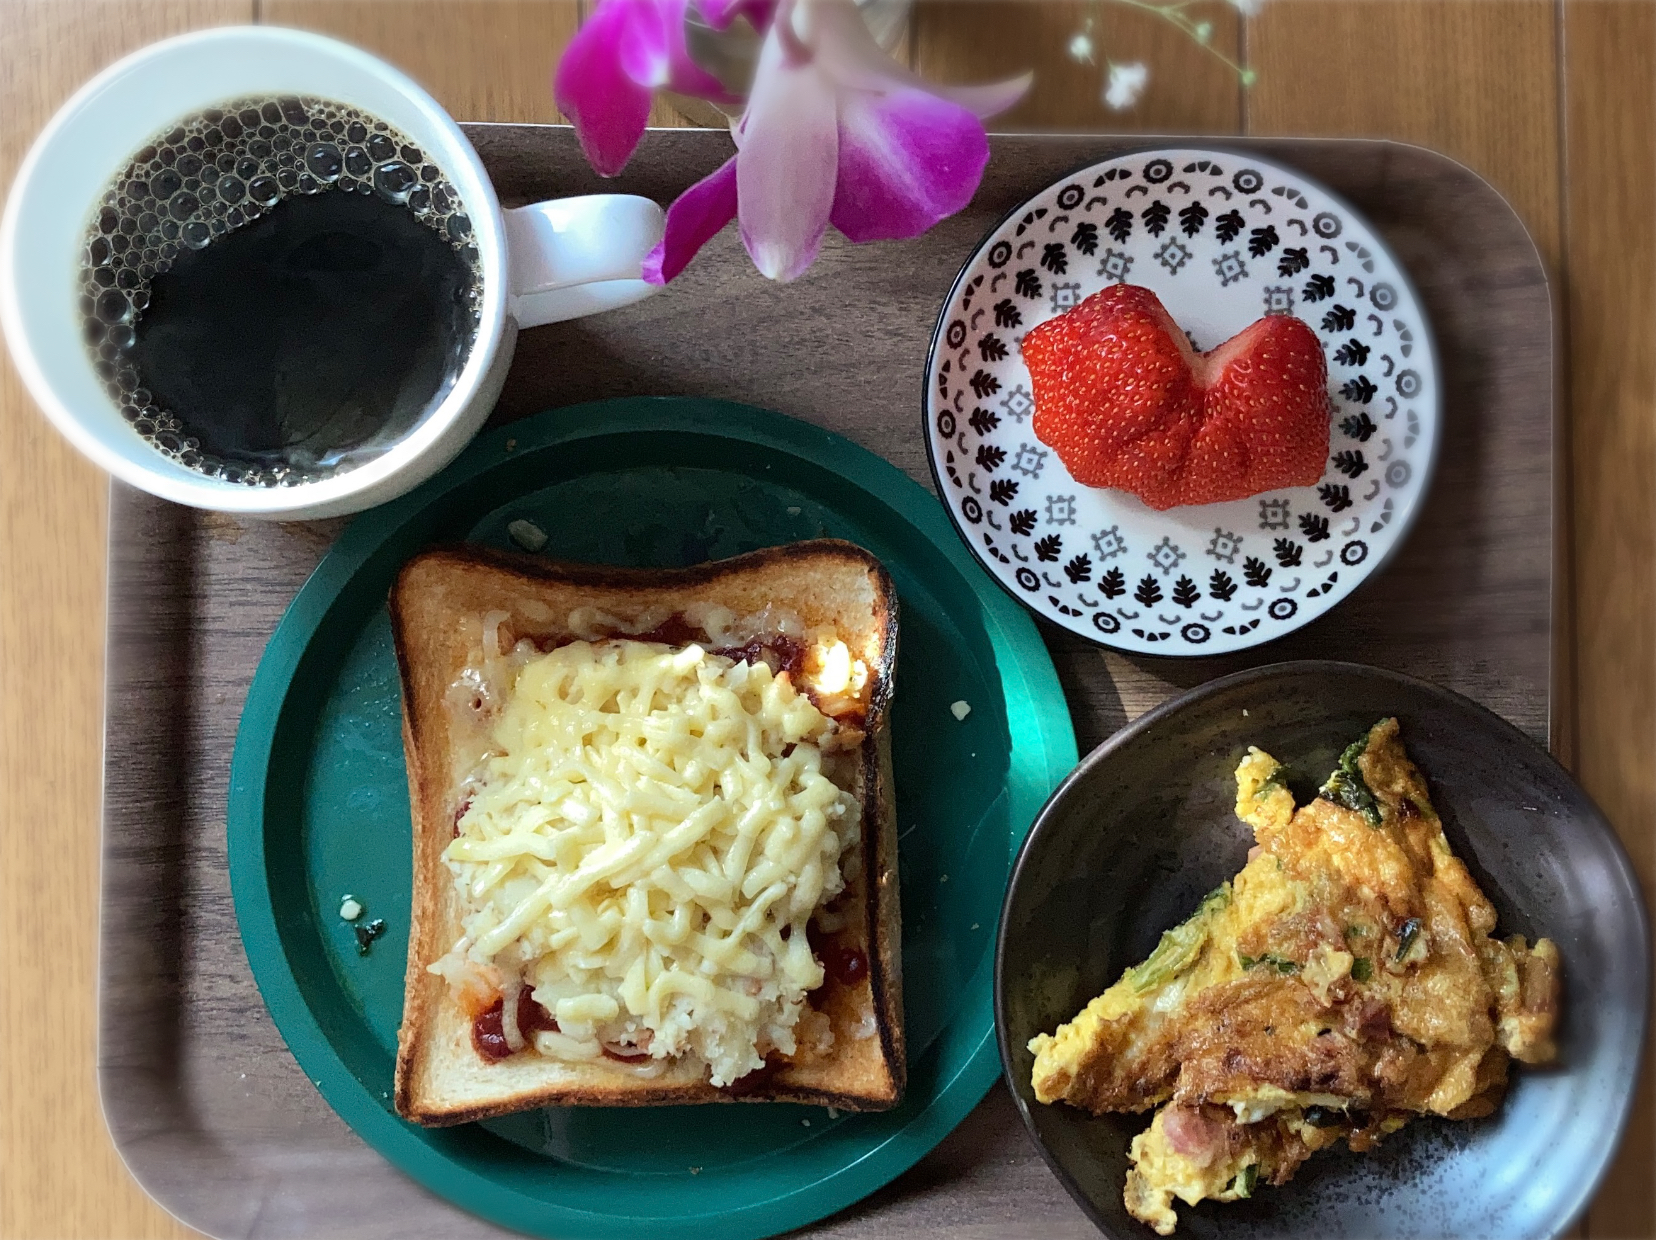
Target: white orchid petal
<point>984,101</point>
<point>836,33</point>
<point>785,168</point>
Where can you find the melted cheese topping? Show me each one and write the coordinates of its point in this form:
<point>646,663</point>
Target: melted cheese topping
<point>646,841</point>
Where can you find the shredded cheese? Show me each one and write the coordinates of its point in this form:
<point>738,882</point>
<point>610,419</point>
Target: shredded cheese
<point>645,843</point>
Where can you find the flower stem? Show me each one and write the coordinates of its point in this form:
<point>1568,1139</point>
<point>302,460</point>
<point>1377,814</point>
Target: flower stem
<point>1174,14</point>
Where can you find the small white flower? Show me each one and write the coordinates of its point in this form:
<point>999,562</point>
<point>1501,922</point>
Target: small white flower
<point>1126,85</point>
<point>1081,48</point>
<point>1248,8</point>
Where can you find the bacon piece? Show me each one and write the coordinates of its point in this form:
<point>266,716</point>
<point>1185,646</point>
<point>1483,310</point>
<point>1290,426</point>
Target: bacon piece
<point>1193,1135</point>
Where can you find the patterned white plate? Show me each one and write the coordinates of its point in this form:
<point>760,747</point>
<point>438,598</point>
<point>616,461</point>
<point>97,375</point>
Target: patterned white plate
<point>1223,237</point>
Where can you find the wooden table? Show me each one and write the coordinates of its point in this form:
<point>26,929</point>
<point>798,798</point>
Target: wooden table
<point>1554,101</point>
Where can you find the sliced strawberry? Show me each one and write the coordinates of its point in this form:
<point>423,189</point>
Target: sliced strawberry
<point>1115,352</point>
<point>1268,385</point>
<point>1126,403</point>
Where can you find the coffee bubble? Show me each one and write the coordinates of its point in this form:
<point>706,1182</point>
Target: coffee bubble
<point>204,178</point>
<point>395,179</point>
<point>323,161</point>
<point>113,306</point>
<point>263,189</point>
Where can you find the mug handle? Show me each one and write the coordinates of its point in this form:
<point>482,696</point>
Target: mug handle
<point>574,256</point>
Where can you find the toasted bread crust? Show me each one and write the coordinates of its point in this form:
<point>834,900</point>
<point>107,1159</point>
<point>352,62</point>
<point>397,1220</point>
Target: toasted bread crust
<point>823,581</point>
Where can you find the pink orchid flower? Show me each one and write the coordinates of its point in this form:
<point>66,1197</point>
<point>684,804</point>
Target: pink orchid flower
<point>625,51</point>
<point>835,132</point>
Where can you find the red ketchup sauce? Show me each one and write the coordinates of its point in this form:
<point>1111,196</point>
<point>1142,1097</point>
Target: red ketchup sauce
<point>841,963</point>
<point>675,630</point>
<point>782,652</point>
<point>846,965</point>
<point>489,1031</point>
<point>758,1080</point>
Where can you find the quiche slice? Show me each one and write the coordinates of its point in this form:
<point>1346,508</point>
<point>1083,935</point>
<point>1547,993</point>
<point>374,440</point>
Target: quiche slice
<point>1345,981</point>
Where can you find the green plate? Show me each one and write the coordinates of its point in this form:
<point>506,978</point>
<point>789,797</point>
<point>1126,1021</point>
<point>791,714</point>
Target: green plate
<point>319,807</point>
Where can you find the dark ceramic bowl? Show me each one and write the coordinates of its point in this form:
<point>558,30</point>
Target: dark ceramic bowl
<point>1145,826</point>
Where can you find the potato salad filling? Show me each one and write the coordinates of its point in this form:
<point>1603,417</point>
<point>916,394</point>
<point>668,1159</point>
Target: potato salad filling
<point>645,841</point>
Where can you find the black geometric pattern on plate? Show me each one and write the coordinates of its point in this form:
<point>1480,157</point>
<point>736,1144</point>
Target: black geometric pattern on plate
<point>1207,227</point>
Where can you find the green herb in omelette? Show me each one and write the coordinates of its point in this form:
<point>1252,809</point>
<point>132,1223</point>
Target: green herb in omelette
<point>1269,961</point>
<point>1179,946</point>
<point>1346,787</point>
<point>1245,1180</point>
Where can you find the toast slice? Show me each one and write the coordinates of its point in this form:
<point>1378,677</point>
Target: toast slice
<point>443,602</point>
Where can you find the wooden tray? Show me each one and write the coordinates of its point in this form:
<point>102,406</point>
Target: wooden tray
<point>203,1100</point>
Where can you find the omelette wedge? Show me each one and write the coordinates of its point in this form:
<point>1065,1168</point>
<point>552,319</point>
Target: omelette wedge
<point>1346,980</point>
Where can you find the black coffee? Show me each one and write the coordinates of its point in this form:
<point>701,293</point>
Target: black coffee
<point>280,289</point>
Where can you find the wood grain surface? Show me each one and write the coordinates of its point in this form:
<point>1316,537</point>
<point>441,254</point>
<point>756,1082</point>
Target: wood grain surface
<point>1609,259</point>
<point>1550,100</point>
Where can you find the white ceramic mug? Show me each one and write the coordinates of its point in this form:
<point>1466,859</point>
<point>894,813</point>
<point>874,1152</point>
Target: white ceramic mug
<point>541,263</point>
